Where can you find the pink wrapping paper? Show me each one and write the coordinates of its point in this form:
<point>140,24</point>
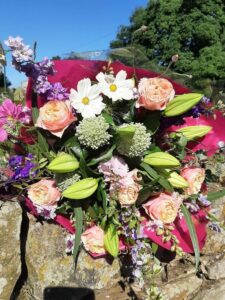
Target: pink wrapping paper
<point>210,141</point>
<point>182,233</point>
<point>69,72</point>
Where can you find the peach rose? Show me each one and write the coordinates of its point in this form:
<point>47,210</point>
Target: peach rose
<point>93,240</point>
<point>163,207</point>
<point>129,188</point>
<point>44,192</point>
<point>55,116</point>
<point>155,93</point>
<point>195,178</point>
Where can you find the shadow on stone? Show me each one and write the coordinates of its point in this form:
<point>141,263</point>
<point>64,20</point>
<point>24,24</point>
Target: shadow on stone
<point>67,293</point>
<point>24,273</point>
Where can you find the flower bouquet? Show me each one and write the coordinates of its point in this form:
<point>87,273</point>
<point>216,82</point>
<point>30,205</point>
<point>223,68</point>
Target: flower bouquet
<point>111,153</point>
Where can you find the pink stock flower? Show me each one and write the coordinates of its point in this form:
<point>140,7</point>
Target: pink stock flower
<point>44,192</point>
<point>155,93</point>
<point>93,240</point>
<point>10,116</point>
<point>55,116</point>
<point>163,207</point>
<point>195,178</point>
<point>113,168</point>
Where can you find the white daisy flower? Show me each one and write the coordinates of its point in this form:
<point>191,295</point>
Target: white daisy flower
<point>116,88</point>
<point>87,100</point>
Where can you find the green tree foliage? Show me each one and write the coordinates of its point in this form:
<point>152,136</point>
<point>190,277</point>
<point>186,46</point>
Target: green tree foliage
<point>193,29</point>
<point>8,83</point>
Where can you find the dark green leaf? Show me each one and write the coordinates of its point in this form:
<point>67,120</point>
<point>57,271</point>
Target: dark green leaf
<point>101,194</point>
<point>105,156</point>
<point>152,121</point>
<point>43,144</point>
<point>35,114</point>
<point>155,176</point>
<point>79,226</point>
<point>92,213</point>
<point>144,194</point>
<point>215,195</point>
<point>150,171</point>
<point>193,234</point>
<point>165,184</point>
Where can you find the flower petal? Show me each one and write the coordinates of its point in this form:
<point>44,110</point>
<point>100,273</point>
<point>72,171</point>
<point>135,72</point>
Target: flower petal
<point>121,75</point>
<point>94,92</point>
<point>3,135</point>
<point>83,87</point>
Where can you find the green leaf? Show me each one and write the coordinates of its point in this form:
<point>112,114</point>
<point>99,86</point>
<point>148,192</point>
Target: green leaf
<point>144,194</point>
<point>105,156</point>
<point>111,240</point>
<point>154,248</point>
<point>193,234</point>
<point>101,194</point>
<point>152,121</point>
<point>215,195</point>
<point>35,114</point>
<point>43,144</point>
<point>181,104</point>
<point>150,171</point>
<point>165,184</point>
<point>108,118</point>
<point>161,180</point>
<point>79,226</point>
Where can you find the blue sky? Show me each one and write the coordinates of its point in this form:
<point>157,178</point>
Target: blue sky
<point>61,26</point>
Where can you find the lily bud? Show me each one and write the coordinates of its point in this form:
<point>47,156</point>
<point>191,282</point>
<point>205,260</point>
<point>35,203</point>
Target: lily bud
<point>194,132</point>
<point>111,240</point>
<point>126,131</point>
<point>63,163</point>
<point>161,160</point>
<point>177,181</point>
<point>181,104</point>
<point>81,189</point>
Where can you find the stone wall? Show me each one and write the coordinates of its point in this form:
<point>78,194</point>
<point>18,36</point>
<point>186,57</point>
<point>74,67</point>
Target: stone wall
<point>45,262</point>
<point>10,261</point>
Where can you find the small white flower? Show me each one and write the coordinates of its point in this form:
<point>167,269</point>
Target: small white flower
<point>116,88</point>
<point>14,42</point>
<point>87,99</point>
<point>23,54</point>
<point>221,144</point>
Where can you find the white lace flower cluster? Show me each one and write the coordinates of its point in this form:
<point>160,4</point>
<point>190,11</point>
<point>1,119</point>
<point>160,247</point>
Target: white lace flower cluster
<point>87,99</point>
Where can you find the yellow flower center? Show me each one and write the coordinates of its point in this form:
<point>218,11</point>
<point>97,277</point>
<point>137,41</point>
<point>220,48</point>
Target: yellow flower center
<point>85,100</point>
<point>113,87</point>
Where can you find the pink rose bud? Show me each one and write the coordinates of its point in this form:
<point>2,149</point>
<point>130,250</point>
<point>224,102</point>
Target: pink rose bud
<point>195,178</point>
<point>155,93</point>
<point>163,207</point>
<point>93,240</point>
<point>129,188</point>
<point>175,58</point>
<point>55,116</point>
<point>44,192</point>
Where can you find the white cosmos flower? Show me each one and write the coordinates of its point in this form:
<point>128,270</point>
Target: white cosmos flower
<point>87,100</point>
<point>116,88</point>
